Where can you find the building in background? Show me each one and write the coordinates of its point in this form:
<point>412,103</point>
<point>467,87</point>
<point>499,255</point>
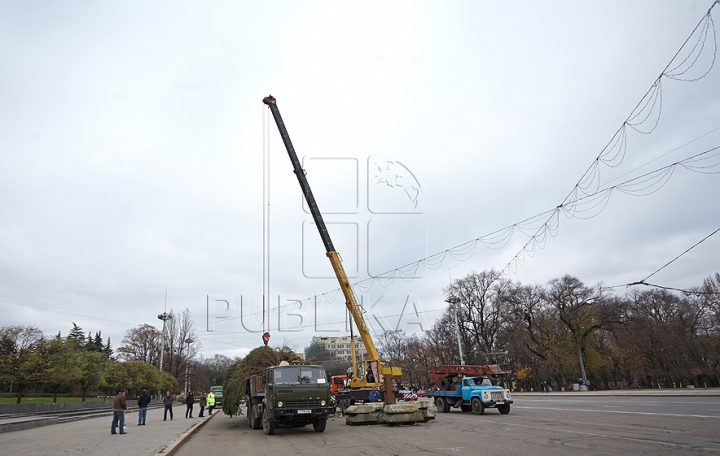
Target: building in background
<point>337,347</point>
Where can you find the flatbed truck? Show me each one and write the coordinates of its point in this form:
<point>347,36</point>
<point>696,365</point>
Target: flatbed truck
<point>472,394</point>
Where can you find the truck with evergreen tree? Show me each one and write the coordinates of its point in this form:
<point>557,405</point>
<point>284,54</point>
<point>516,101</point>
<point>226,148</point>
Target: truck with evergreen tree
<point>288,396</point>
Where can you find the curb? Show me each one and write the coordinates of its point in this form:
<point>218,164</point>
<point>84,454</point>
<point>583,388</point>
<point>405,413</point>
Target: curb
<point>177,443</point>
<point>20,424</point>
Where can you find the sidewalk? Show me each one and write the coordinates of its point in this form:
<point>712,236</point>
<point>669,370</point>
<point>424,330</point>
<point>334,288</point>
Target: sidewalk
<point>92,436</point>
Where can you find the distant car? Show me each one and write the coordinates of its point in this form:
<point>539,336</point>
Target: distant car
<point>217,390</point>
<point>420,393</point>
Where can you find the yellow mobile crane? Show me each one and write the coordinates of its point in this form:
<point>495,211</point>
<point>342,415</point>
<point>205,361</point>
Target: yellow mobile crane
<point>373,362</point>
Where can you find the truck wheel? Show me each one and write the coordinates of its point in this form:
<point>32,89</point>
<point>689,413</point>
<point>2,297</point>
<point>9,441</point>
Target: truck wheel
<point>478,407</point>
<point>445,384</point>
<point>504,409</point>
<point>442,405</point>
<point>466,408</point>
<point>249,417</point>
<point>267,425</point>
<point>319,425</point>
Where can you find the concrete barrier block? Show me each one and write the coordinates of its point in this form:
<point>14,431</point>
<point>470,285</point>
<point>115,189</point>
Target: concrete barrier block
<point>402,418</point>
<point>361,418</point>
<point>364,408</point>
<point>407,407</point>
<point>424,403</point>
<point>427,414</point>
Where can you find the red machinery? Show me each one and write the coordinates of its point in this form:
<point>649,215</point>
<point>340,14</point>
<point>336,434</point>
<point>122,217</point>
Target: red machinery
<point>445,376</point>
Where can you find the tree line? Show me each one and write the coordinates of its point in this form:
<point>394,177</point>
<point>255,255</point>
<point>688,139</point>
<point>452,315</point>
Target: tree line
<point>650,338</point>
<point>80,364</point>
<point>29,359</point>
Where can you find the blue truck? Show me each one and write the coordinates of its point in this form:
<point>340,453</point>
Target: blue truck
<point>471,394</point>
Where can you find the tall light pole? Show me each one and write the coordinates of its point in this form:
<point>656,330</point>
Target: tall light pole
<point>453,300</point>
<point>582,369</point>
<point>164,317</point>
<point>188,341</point>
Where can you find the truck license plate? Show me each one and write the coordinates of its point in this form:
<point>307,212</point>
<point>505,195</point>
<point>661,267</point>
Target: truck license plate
<point>304,411</point>
<point>500,403</point>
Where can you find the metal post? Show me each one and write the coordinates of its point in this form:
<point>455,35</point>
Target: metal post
<point>453,301</point>
<point>188,341</point>
<point>582,366</point>
<point>164,317</point>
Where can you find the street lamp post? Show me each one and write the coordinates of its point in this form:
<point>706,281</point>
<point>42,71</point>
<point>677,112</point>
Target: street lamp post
<point>164,317</point>
<point>453,301</point>
<point>188,341</point>
<point>582,369</point>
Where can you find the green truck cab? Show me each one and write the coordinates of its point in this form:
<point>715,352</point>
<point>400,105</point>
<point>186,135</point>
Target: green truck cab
<point>289,396</point>
<point>217,391</point>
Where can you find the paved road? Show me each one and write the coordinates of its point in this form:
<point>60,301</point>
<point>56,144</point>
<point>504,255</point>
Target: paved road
<point>698,407</point>
<point>537,425</point>
<point>561,424</point>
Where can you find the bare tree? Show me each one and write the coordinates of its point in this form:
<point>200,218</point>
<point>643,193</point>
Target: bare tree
<point>418,362</point>
<point>441,341</point>
<point>665,328</point>
<point>178,351</point>
<point>583,311</point>
<point>210,371</point>
<point>710,325</point>
<point>529,334</point>
<point>141,344</point>
<point>480,308</point>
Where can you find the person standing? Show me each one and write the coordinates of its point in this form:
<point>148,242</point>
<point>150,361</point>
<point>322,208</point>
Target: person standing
<point>374,395</point>
<point>203,403</point>
<point>189,400</point>
<point>210,402</point>
<point>143,402</point>
<point>168,402</point>
<point>119,407</point>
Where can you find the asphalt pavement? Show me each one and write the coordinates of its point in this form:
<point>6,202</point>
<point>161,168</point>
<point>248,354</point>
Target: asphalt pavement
<point>92,436</point>
<point>670,392</point>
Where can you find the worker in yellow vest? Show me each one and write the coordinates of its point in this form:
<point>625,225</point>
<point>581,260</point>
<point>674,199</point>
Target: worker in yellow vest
<point>210,402</point>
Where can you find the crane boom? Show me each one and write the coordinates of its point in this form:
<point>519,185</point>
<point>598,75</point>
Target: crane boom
<point>350,299</point>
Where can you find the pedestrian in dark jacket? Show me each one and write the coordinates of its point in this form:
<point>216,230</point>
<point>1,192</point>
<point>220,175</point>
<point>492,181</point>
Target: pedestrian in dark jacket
<point>203,403</point>
<point>143,402</point>
<point>189,400</point>
<point>168,401</point>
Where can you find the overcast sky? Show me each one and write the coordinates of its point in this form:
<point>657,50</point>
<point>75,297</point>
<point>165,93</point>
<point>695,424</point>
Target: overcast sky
<point>132,137</point>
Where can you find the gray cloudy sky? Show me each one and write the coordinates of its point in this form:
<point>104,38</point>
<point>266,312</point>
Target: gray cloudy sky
<point>132,140</point>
